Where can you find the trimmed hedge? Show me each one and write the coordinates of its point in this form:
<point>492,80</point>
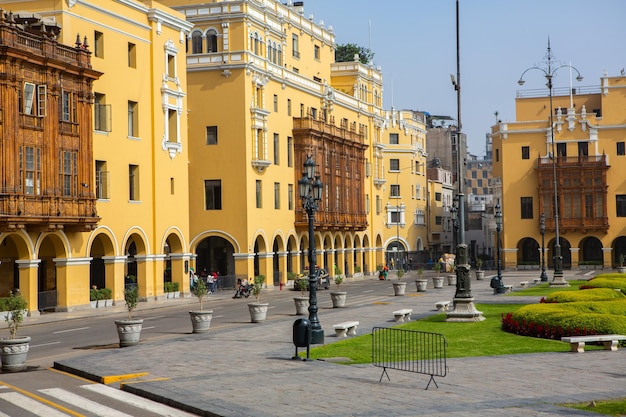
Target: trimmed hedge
<point>594,294</point>
<point>607,282</point>
<point>553,321</point>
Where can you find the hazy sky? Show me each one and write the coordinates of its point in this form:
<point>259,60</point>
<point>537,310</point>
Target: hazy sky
<point>414,42</point>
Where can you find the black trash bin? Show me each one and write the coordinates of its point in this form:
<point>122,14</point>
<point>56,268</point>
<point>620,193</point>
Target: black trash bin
<point>302,335</point>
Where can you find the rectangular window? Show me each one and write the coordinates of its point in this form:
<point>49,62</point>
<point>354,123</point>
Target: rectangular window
<point>437,196</point>
<point>29,95</point>
<point>289,151</point>
<point>394,217</point>
<point>394,139</point>
<point>65,107</point>
<point>474,174</point>
<point>133,182</point>
<point>42,93</point>
<point>132,55</point>
<point>395,190</point>
<point>621,149</point>
<point>133,119</point>
<point>275,103</point>
<point>102,180</point>
<point>620,203</point>
<point>68,172</point>
<point>525,152</point>
<point>98,44</point>
<point>171,66</point>
<point>526,207</point>
<point>394,164</point>
<point>288,107</point>
<point>101,113</point>
<point>172,125</point>
<point>172,189</point>
<point>438,220</point>
<point>212,194</point>
<point>290,196</point>
<point>316,52</point>
<point>259,194</point>
<point>367,204</point>
<point>30,170</point>
<point>276,149</point>
<point>561,149</point>
<point>294,46</point>
<point>211,135</point>
<point>277,195</point>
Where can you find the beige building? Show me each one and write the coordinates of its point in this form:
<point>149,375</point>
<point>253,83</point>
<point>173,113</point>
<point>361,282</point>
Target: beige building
<point>588,149</point>
<point>127,126</point>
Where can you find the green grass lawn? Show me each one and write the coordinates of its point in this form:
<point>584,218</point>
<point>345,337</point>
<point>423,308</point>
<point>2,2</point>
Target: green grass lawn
<point>545,289</point>
<point>485,338</point>
<point>609,408</point>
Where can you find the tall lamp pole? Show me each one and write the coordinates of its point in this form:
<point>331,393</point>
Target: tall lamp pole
<point>310,188</point>
<point>549,70</point>
<point>542,228</point>
<point>498,287</point>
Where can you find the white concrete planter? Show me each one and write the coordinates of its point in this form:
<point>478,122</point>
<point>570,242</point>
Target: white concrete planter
<point>201,320</point>
<point>258,312</point>
<point>338,298</point>
<point>129,331</point>
<point>480,275</point>
<point>302,305</point>
<point>399,288</point>
<point>451,279</point>
<point>13,353</point>
<point>438,282</point>
<point>421,284</point>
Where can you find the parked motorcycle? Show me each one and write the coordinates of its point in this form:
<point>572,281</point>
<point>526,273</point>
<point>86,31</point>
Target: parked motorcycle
<point>243,291</point>
<point>323,280</point>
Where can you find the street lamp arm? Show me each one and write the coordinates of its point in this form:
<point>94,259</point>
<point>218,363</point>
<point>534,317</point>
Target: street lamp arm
<point>550,73</point>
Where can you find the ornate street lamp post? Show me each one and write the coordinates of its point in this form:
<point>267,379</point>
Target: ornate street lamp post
<point>542,228</point>
<point>310,188</point>
<point>498,285</point>
<point>549,72</point>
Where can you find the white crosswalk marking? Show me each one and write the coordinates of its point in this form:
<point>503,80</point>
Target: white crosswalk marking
<point>31,405</point>
<point>83,403</point>
<point>136,401</point>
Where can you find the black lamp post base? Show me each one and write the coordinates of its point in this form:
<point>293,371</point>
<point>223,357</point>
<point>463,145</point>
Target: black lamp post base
<point>317,336</point>
<point>464,312</point>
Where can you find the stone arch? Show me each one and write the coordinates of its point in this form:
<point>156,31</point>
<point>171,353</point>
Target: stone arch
<point>619,248</point>
<point>279,266</point>
<point>53,281</point>
<point>566,253</point>
<point>101,245</point>
<point>591,250</point>
<point>528,251</point>
<point>14,246</point>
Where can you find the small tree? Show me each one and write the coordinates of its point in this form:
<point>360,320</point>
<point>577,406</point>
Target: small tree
<point>400,274</point>
<point>420,272</point>
<point>479,263</point>
<point>338,281</point>
<point>131,298</point>
<point>346,53</point>
<point>16,308</point>
<point>437,268</point>
<point>200,290</point>
<point>257,288</point>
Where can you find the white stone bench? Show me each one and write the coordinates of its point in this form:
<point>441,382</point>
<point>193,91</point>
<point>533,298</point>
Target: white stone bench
<point>577,343</point>
<point>536,280</point>
<point>509,288</point>
<point>523,284</point>
<point>345,329</point>
<point>401,315</point>
<point>442,305</point>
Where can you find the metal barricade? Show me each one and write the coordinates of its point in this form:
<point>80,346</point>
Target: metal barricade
<point>409,350</point>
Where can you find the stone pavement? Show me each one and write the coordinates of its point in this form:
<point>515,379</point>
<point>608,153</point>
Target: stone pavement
<point>248,371</point>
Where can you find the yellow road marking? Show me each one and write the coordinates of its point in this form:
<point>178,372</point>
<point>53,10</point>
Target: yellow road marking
<point>114,378</point>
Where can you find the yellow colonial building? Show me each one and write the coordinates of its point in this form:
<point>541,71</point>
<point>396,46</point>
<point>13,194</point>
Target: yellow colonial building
<point>587,153</point>
<point>105,83</point>
<point>264,93</point>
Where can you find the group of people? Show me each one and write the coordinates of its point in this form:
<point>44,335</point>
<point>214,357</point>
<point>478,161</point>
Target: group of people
<point>210,279</point>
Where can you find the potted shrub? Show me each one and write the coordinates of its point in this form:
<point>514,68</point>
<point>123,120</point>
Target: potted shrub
<point>14,349</point>
<point>200,319</point>
<point>258,310</point>
<point>106,297</point>
<point>301,302</point>
<point>421,283</point>
<point>338,297</point>
<point>94,296</point>
<point>479,273</point>
<point>171,289</point>
<point>437,280</point>
<point>452,277</point>
<point>399,287</point>
<point>129,330</point>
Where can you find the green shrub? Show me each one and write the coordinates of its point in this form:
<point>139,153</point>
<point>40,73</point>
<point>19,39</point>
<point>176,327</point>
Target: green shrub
<point>94,295</point>
<point>301,284</point>
<point>554,321</point>
<point>257,288</point>
<point>131,299</point>
<point>106,294</point>
<point>594,294</point>
<point>608,282</point>
<point>16,308</point>
<point>170,286</point>
<point>292,276</point>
